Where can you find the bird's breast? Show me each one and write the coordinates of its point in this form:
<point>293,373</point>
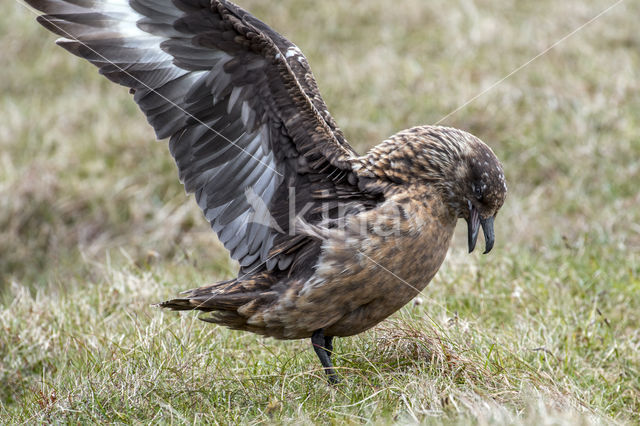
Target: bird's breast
<point>381,260</point>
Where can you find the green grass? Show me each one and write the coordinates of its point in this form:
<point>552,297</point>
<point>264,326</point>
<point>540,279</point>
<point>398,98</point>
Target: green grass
<point>95,227</point>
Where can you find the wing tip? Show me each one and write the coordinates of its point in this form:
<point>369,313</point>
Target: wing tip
<point>52,24</point>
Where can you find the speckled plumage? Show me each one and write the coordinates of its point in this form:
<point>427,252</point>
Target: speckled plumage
<point>254,141</point>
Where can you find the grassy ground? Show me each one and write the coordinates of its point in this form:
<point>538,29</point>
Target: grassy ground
<point>94,227</point>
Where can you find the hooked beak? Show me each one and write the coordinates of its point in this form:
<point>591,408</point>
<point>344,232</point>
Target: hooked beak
<point>473,226</point>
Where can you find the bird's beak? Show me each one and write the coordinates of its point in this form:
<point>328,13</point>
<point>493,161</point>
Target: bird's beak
<point>473,226</point>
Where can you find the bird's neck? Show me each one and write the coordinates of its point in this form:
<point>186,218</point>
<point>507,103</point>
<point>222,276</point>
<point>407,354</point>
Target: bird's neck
<point>408,160</point>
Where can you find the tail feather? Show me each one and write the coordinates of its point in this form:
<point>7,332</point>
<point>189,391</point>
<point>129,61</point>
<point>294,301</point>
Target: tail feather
<point>207,298</point>
<point>230,295</point>
<point>240,304</point>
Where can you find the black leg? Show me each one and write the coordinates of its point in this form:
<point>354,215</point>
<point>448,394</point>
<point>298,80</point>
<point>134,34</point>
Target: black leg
<point>328,345</point>
<point>320,343</point>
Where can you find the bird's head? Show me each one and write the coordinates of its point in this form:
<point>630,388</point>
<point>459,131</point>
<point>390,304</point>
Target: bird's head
<point>469,176</point>
<point>464,169</point>
<point>481,184</point>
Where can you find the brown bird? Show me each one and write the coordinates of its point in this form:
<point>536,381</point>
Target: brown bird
<point>329,243</point>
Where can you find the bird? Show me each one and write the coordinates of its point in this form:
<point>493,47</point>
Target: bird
<point>329,242</point>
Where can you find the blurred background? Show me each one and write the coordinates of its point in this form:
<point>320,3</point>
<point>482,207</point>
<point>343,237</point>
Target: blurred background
<point>84,186</point>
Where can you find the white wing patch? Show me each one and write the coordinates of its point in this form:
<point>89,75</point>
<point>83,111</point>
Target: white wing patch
<point>293,51</point>
<point>121,22</point>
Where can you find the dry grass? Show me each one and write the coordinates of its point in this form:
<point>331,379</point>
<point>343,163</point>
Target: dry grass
<point>94,227</point>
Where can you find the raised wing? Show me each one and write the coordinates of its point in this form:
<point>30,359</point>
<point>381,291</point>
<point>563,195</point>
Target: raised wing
<point>238,101</point>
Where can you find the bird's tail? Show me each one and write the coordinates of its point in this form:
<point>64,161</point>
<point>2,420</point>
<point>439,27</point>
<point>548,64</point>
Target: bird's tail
<point>230,295</point>
<point>231,302</point>
<point>207,298</point>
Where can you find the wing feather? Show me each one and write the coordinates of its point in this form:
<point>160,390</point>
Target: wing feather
<point>237,101</point>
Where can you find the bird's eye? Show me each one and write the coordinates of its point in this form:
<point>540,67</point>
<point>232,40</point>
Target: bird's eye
<point>477,191</point>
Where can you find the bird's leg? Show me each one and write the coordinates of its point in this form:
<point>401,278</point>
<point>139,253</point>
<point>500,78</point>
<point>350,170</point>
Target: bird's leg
<point>328,345</point>
<point>323,346</point>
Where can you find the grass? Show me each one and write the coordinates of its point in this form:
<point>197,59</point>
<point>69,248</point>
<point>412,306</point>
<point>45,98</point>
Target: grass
<point>94,227</point>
